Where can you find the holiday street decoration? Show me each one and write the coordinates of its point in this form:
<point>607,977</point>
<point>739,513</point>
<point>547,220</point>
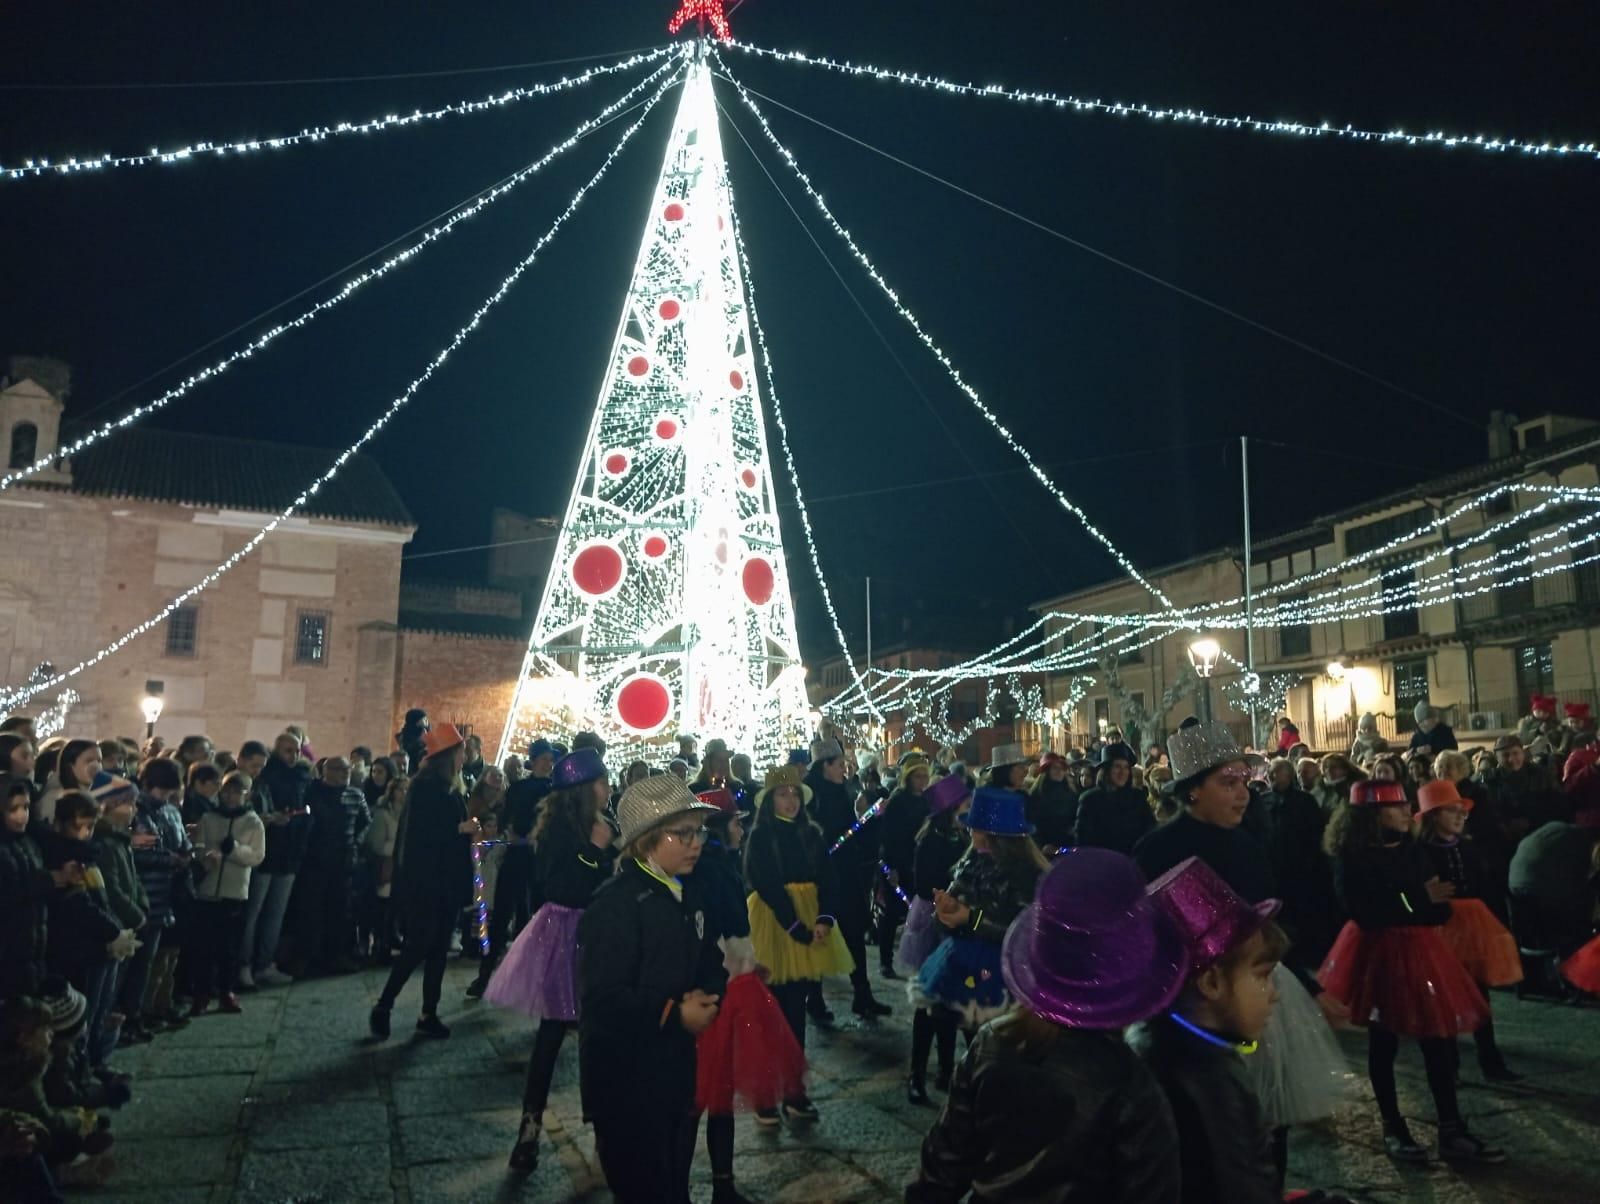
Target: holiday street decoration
<point>1267,699</point>
<point>703,12</point>
<point>667,607</point>
<point>52,720</point>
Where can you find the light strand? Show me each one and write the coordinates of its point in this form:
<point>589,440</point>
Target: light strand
<point>321,133</point>
<point>1178,115</point>
<point>17,697</point>
<point>349,288</point>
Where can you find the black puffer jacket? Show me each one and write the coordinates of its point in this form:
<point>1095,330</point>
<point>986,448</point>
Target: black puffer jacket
<point>1075,1120</point>
<point>1224,1142</point>
<point>639,952</point>
<point>25,890</point>
<point>339,819</point>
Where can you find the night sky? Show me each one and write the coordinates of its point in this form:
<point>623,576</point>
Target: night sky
<point>1467,278</point>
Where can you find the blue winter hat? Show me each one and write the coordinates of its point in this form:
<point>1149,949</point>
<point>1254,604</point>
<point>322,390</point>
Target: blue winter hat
<point>539,748</point>
<point>577,767</point>
<point>998,812</point>
<point>800,757</point>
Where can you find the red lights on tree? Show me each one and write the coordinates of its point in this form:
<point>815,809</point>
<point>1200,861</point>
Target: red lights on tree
<point>704,12</point>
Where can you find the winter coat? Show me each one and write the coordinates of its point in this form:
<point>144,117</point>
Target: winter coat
<point>433,859</point>
<point>1238,858</point>
<point>1440,739</point>
<point>567,868</point>
<point>1289,827</point>
<point>1382,886</point>
<point>1076,1120</point>
<point>994,896</point>
<point>1224,1143</point>
<point>1114,818</point>
<point>242,839</point>
<point>1367,745</point>
<point>779,851</point>
<point>154,864</point>
<point>937,854</point>
<point>194,806</point>
<point>25,890</point>
<point>1053,812</point>
<point>1557,735</point>
<point>1525,799</point>
<point>1288,738</point>
<point>339,818</point>
<point>1554,867</point>
<point>81,923</point>
<point>855,863</point>
<point>522,805</point>
<point>380,844</point>
<point>1476,872</point>
<point>124,890</point>
<point>1330,795</point>
<point>22,1090</point>
<point>640,950</point>
<point>898,822</point>
<point>722,892</point>
<point>285,789</point>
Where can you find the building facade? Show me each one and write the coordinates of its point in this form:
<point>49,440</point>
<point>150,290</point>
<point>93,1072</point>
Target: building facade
<point>1523,618</point>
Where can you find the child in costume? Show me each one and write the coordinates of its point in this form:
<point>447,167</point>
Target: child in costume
<point>1392,968</point>
<point>992,883</point>
<point>748,1057</point>
<point>791,901</point>
<point>1477,938</point>
<point>539,974</point>
<point>1050,1103</point>
<point>650,976</point>
<point>939,846</point>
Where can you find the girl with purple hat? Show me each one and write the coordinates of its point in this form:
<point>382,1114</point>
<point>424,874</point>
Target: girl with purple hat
<point>940,843</point>
<point>539,975</point>
<point>1067,1111</point>
<point>993,882</point>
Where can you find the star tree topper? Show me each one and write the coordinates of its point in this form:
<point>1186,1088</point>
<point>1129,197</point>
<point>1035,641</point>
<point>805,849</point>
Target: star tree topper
<point>705,12</point>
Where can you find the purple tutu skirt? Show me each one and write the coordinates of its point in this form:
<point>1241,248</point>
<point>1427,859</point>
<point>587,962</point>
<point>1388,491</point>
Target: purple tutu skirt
<point>920,937</point>
<point>539,974</point>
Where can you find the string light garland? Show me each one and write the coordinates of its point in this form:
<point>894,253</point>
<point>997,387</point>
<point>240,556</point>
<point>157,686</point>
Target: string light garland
<point>1268,695</point>
<point>1163,114</point>
<point>347,290</point>
<point>21,695</point>
<point>321,133</point>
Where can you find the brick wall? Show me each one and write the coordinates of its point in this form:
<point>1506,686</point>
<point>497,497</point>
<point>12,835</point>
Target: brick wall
<point>457,679</point>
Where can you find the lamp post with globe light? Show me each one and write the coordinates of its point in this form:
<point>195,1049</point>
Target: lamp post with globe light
<point>1203,655</point>
<point>152,706</point>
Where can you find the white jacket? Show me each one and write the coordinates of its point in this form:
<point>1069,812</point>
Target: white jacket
<point>231,879</point>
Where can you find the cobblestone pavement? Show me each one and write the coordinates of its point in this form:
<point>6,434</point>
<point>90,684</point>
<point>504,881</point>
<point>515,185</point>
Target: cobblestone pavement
<point>291,1102</point>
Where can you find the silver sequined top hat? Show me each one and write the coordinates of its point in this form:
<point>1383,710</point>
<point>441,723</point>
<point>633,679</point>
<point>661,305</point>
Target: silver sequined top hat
<point>1006,754</point>
<point>825,750</point>
<point>653,801</point>
<point>1199,748</point>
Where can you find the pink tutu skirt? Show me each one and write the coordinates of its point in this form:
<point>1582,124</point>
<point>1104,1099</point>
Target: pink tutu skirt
<point>920,937</point>
<point>539,974</point>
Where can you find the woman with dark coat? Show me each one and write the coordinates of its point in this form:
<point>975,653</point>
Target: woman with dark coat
<point>855,868</point>
<point>1288,822</point>
<point>1053,804</point>
<point>650,977</point>
<point>902,817</point>
<point>432,879</point>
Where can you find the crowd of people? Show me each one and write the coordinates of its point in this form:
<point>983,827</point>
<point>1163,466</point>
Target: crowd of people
<point>1145,956</point>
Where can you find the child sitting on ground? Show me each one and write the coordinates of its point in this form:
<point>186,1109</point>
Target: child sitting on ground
<point>60,1133</point>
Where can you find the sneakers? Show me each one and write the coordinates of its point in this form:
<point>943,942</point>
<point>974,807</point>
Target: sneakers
<point>767,1118</point>
<point>1401,1146</point>
<point>800,1108</point>
<point>432,1026</point>
<point>869,1008</point>
<point>229,1004</point>
<point>1458,1145</point>
<point>271,977</point>
<point>247,980</point>
<point>476,987</point>
<point>819,1012</point>
<point>378,1022</point>
<point>525,1154</point>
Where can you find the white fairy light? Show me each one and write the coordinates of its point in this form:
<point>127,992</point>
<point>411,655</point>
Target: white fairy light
<point>349,288</point>
<point>668,608</point>
<point>1177,115</point>
<point>321,133</point>
<point>17,697</point>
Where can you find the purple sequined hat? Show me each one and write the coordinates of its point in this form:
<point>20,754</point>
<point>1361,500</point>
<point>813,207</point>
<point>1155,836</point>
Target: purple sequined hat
<point>1092,950</point>
<point>577,767</point>
<point>947,793</point>
<point>1211,917</point>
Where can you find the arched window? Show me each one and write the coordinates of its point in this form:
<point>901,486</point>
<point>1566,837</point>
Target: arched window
<point>24,444</point>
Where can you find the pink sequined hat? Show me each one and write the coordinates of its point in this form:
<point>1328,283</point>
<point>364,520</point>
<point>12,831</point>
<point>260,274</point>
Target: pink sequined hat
<point>1211,917</point>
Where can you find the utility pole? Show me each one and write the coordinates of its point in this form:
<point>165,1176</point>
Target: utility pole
<point>1249,624</point>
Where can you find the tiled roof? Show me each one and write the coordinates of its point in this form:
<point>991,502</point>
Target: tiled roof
<point>235,474</point>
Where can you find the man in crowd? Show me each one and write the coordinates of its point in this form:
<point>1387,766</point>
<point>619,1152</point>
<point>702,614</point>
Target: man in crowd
<point>339,819</point>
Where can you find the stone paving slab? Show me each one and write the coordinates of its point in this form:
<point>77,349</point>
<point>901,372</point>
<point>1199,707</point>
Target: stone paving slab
<point>292,1103</point>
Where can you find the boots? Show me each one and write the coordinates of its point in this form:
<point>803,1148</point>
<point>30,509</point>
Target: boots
<point>867,1007</point>
<point>724,1192</point>
<point>525,1154</point>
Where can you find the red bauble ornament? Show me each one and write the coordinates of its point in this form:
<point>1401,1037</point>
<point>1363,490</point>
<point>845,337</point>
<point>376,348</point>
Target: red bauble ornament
<point>616,463</point>
<point>759,580</point>
<point>639,365</point>
<point>654,546</point>
<point>644,703</point>
<point>748,478</point>
<point>669,309</point>
<point>666,428</point>
<point>736,379</point>
<point>673,212</point>
<point>598,569</point>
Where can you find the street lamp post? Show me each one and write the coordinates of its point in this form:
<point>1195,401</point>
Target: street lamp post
<point>152,706</point>
<point>1203,655</point>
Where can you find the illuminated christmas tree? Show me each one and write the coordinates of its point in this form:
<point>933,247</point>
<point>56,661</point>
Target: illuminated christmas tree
<point>667,607</point>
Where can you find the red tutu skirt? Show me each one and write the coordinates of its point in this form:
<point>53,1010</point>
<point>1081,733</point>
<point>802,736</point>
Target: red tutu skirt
<point>1482,944</point>
<point>748,1058</point>
<point>1582,969</point>
<point>1405,980</point>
